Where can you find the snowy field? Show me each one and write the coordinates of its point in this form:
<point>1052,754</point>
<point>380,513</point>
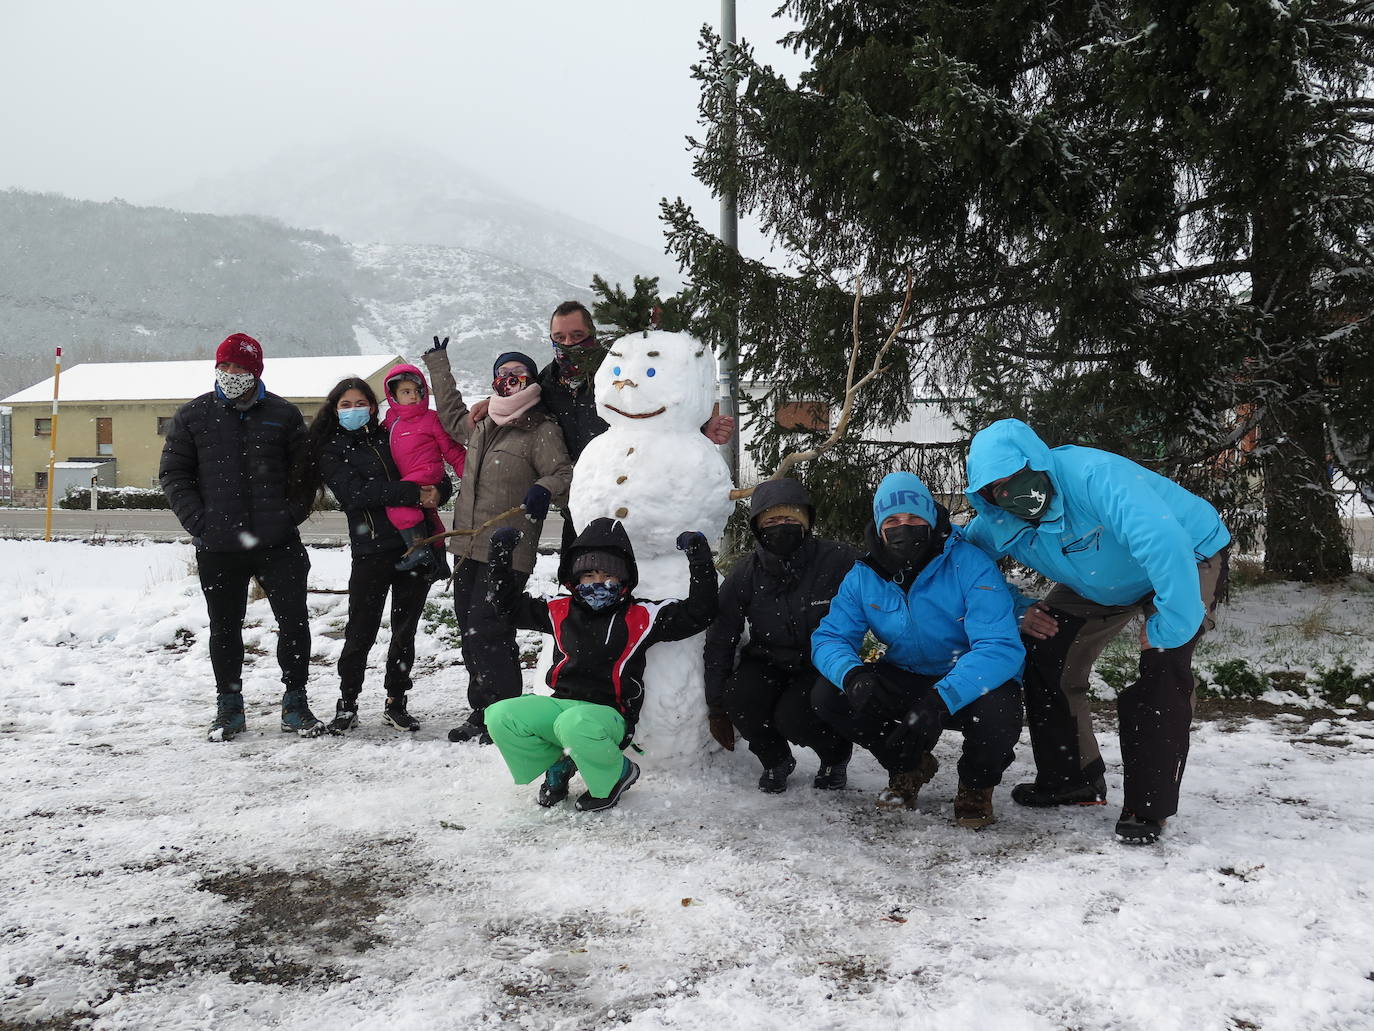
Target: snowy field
<point>155,881</point>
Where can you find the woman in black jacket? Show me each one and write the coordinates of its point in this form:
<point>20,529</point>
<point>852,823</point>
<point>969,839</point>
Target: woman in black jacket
<point>780,592</point>
<point>353,458</point>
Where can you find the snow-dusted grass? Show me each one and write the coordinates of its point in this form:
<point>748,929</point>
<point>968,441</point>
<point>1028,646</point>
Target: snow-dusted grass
<point>153,880</point>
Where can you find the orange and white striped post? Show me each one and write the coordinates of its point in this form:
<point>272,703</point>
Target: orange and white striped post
<point>52,441</point>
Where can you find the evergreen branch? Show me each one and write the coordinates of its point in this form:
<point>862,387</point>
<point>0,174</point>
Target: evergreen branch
<point>1178,277</point>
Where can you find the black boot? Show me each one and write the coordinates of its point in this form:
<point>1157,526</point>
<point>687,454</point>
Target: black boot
<point>773,780</point>
<point>228,717</point>
<point>296,717</point>
<point>589,803</point>
<point>395,714</point>
<point>470,732</point>
<point>1039,796</point>
<point>556,780</point>
<point>1138,830</point>
<point>419,558</point>
<point>345,715</point>
<point>831,777</point>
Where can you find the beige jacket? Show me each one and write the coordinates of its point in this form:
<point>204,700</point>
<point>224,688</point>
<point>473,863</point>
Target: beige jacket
<point>503,463</point>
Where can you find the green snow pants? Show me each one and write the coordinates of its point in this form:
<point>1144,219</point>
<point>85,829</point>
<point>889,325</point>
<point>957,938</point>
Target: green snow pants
<point>533,732</point>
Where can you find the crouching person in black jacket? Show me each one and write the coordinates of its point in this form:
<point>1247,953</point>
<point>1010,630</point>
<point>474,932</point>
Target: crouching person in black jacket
<point>601,635</point>
<point>228,472</point>
<point>780,592</point>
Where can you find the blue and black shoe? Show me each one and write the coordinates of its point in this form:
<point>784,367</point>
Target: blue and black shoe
<point>556,780</point>
<point>589,803</point>
<point>229,719</point>
<point>296,717</point>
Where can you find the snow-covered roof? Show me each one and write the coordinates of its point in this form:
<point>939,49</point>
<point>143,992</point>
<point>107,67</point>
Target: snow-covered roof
<point>80,465</point>
<point>179,381</point>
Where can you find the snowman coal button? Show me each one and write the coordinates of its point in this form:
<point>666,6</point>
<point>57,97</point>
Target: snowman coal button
<point>622,512</point>
<point>621,479</point>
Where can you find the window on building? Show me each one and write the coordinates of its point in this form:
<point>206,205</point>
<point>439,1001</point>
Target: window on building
<point>40,481</point>
<point>42,427</point>
<point>164,423</point>
<point>811,416</point>
<point>104,436</point>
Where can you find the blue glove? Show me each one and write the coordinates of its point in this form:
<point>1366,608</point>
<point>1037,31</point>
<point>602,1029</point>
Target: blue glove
<point>537,503</point>
<point>439,345</point>
<point>503,543</point>
<point>694,543</point>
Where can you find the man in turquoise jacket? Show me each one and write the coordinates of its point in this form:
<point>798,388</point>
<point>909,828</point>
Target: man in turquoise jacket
<point>953,653</point>
<point>1119,541</point>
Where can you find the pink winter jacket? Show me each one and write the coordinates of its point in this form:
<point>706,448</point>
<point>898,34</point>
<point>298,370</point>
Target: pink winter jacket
<point>419,444</point>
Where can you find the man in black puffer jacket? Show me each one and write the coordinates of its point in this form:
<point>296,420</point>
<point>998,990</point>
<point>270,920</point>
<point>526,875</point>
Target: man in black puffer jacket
<point>780,592</point>
<point>226,469</point>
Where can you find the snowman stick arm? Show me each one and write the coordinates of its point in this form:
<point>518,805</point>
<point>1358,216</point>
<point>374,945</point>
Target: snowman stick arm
<point>852,388</point>
<point>507,514</point>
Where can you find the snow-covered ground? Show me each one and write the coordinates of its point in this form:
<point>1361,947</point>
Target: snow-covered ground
<point>153,880</point>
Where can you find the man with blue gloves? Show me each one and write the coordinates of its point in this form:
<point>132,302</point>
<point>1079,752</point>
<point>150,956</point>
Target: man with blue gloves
<point>1119,541</point>
<point>953,653</point>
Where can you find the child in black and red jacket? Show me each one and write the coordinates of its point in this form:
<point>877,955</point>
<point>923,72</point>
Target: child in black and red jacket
<point>601,634</point>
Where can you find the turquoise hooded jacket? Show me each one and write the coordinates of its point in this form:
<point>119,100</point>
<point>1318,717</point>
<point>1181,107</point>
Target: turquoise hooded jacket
<point>1114,533</point>
<point>956,622</point>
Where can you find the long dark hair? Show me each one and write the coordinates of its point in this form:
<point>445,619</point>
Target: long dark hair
<point>307,483</point>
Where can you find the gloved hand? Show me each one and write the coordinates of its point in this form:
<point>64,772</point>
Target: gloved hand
<point>723,731</point>
<point>924,719</point>
<point>537,503</point>
<point>861,687</point>
<point>439,345</point>
<point>503,542</point>
<point>694,543</point>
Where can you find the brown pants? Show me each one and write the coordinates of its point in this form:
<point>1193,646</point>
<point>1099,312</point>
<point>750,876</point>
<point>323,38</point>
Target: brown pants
<point>1154,713</point>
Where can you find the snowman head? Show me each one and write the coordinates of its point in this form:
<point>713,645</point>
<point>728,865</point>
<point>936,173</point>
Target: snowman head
<point>656,381</point>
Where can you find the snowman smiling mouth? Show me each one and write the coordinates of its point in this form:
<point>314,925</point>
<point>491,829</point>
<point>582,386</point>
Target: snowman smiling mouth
<point>635,415</point>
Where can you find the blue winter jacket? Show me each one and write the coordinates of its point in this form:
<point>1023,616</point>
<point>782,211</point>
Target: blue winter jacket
<point>1115,532</point>
<point>955,622</point>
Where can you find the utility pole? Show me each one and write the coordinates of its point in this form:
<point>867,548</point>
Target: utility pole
<point>729,235</point>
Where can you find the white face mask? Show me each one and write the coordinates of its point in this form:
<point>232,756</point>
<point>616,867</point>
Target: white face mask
<point>233,384</point>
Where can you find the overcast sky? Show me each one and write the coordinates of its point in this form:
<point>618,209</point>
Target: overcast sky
<point>581,106</point>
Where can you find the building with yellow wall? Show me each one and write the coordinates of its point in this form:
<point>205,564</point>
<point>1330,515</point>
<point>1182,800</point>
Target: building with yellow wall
<point>118,412</point>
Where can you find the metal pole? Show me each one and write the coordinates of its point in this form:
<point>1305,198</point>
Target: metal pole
<point>729,235</point>
<point>52,441</point>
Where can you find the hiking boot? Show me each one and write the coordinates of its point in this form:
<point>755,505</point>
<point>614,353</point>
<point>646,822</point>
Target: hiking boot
<point>973,807</point>
<point>1039,796</point>
<point>228,717</point>
<point>556,780</point>
<point>902,788</point>
<point>470,732</point>
<point>296,717</point>
<point>832,777</point>
<point>420,558</point>
<point>1138,830</point>
<point>773,780</point>
<point>345,716</point>
<point>589,803</point>
<point>395,714</point>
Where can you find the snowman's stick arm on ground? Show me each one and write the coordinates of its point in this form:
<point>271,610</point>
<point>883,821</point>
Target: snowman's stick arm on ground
<point>467,533</point>
<point>851,390</point>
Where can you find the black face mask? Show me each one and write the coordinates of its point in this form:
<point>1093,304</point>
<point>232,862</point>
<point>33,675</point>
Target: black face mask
<point>907,544</point>
<point>781,539</point>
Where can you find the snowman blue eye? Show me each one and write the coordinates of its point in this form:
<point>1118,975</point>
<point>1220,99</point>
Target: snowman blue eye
<point>615,371</point>
<point>650,373</point>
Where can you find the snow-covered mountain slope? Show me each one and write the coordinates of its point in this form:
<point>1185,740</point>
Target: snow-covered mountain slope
<point>386,194</point>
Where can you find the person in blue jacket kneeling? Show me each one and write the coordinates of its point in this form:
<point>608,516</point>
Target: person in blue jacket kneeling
<point>1120,542</point>
<point>953,655</point>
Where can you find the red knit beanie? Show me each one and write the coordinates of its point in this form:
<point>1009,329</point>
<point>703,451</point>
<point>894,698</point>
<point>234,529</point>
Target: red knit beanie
<point>241,349</point>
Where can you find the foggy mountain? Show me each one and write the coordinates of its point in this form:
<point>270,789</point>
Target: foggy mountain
<point>406,196</point>
<point>115,282</point>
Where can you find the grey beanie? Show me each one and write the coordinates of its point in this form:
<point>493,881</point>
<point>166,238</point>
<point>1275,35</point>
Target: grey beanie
<point>606,561</point>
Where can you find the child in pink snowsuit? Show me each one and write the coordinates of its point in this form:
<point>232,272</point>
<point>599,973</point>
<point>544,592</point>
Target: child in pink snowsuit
<point>419,447</point>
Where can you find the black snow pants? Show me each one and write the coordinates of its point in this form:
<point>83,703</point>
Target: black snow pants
<point>282,573</point>
<point>991,724</point>
<point>488,643</point>
<point>770,707</point>
<point>369,581</point>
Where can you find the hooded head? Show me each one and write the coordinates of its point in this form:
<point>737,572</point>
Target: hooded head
<point>1009,448</point>
<point>404,373</point>
<point>603,539</point>
<point>786,506</point>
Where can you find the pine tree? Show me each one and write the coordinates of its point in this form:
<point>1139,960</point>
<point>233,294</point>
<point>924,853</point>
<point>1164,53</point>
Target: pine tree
<point>1138,225</point>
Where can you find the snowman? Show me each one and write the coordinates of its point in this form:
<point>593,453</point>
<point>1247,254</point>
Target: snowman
<point>655,472</point>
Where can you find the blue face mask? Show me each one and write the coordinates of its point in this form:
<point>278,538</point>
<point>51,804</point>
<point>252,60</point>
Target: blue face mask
<point>353,418</point>
<point>599,596</point>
